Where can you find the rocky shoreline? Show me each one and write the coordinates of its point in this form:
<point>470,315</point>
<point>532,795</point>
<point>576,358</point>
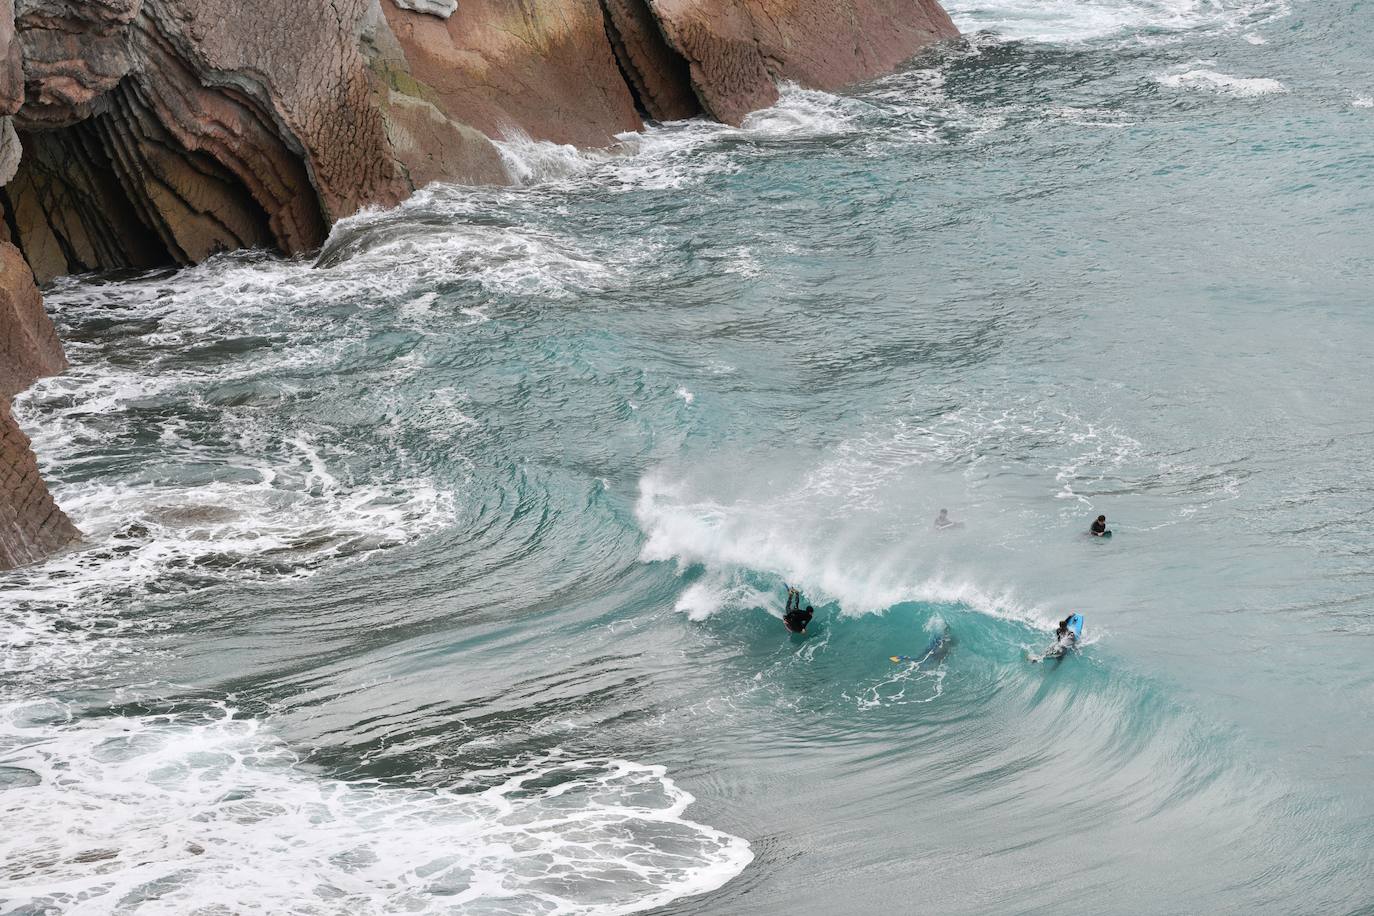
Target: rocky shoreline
<point>142,133</point>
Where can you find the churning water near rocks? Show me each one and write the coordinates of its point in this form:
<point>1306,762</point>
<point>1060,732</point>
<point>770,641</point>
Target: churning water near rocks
<point>441,573</point>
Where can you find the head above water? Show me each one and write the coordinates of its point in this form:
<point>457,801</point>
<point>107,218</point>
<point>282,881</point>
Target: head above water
<point>1100,518</point>
<point>944,512</point>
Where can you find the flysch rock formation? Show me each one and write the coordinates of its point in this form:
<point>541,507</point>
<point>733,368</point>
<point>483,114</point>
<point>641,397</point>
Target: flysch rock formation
<point>140,133</point>
<point>31,524</point>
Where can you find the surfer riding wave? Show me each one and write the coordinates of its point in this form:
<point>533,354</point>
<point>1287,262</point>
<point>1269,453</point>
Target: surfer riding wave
<point>794,618</point>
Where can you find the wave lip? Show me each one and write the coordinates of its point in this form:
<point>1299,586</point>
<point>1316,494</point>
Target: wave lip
<point>736,542</point>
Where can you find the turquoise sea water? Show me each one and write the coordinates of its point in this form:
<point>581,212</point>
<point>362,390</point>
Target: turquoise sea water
<point>444,573</point>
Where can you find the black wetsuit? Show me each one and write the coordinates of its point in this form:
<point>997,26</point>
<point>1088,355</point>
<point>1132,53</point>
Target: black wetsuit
<point>796,619</point>
<point>1099,528</point>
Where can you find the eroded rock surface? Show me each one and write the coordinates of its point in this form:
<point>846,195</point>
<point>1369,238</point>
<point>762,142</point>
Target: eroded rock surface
<point>11,63</point>
<point>74,51</point>
<point>737,50</point>
<point>31,524</point>
<point>545,69</point>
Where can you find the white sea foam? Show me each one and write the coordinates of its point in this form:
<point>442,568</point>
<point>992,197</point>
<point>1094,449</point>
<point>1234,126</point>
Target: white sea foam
<point>213,813</point>
<point>225,491</point>
<point>852,524</point>
<point>681,153</point>
<point>707,596</point>
<point>509,260</point>
<point>758,536</point>
<point>1059,21</point>
<point>803,112</point>
<point>1224,84</point>
<point>1363,102</point>
<point>528,160</point>
<point>59,619</point>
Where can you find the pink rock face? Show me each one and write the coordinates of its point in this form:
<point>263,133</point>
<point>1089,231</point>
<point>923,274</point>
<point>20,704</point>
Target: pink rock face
<point>29,348</point>
<point>31,524</point>
<point>542,68</point>
<point>738,49</point>
<point>74,52</point>
<point>297,76</point>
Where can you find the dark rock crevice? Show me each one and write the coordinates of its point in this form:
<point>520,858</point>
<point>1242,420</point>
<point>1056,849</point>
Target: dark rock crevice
<point>71,210</point>
<point>658,77</point>
<point>120,190</point>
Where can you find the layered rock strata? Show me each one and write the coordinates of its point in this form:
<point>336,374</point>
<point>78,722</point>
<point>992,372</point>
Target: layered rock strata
<point>136,133</point>
<point>31,524</point>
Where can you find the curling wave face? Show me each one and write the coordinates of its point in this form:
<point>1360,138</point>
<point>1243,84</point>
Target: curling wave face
<point>442,572</point>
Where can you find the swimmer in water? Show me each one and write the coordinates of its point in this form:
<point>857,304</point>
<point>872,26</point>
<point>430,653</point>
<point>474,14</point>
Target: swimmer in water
<point>943,521</point>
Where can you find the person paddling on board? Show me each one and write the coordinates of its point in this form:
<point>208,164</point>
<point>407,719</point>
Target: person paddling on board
<point>1099,527</point>
<point>795,619</point>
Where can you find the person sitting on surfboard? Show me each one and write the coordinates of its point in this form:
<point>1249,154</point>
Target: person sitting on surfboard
<point>943,521</point>
<point>1099,528</point>
<point>795,619</point>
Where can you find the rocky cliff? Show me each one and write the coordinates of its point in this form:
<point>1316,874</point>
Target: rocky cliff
<point>136,133</point>
<point>31,525</point>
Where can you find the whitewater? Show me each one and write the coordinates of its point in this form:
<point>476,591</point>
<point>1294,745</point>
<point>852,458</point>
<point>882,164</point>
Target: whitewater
<point>441,571</point>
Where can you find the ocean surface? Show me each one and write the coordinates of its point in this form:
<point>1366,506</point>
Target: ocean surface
<point>442,573</point>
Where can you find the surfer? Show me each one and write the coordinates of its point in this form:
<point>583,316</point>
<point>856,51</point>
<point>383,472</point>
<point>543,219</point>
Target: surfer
<point>1065,636</point>
<point>1099,527</point>
<point>943,521</point>
<point>796,619</point>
